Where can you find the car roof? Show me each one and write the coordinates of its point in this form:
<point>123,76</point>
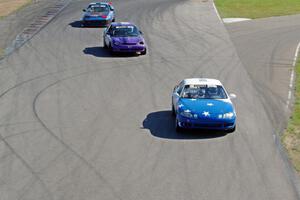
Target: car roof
<point>121,23</point>
<point>201,81</point>
<point>99,3</point>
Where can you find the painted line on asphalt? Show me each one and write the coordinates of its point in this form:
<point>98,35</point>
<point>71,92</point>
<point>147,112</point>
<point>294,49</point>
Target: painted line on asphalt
<point>234,20</point>
<point>216,10</point>
<point>292,76</point>
<point>36,26</point>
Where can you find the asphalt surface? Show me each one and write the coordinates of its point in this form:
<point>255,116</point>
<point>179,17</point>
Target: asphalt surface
<point>77,123</point>
<point>267,48</point>
<point>15,23</point>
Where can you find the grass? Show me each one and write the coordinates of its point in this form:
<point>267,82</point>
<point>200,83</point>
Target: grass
<point>291,137</point>
<point>9,6</point>
<point>257,8</point>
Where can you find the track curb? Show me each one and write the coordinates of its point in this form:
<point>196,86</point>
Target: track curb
<point>36,26</point>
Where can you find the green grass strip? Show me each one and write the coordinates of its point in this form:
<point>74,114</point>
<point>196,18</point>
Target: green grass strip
<point>257,8</point>
<point>291,137</point>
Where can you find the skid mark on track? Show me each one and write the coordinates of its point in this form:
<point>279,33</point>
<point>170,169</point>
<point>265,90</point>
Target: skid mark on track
<point>27,165</point>
<point>80,157</point>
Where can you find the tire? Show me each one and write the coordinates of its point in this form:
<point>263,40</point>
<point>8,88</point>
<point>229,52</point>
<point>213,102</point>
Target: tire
<point>144,52</point>
<point>104,44</point>
<point>111,50</point>
<point>114,20</point>
<point>173,111</point>
<point>231,130</point>
<point>177,127</point>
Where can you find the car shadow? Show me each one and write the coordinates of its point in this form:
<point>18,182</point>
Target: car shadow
<point>102,52</point>
<point>162,124</point>
<point>78,24</point>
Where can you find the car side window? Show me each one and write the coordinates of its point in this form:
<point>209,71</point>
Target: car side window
<point>110,30</point>
<point>179,89</point>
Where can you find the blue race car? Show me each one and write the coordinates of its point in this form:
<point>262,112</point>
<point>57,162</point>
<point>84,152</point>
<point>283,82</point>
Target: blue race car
<point>200,103</point>
<point>98,14</point>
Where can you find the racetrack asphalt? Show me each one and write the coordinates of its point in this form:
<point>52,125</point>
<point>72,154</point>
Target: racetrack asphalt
<point>77,123</point>
<point>15,23</point>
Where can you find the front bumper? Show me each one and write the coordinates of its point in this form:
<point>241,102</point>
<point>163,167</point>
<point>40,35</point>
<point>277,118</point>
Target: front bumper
<point>210,124</point>
<point>96,22</point>
<point>128,48</point>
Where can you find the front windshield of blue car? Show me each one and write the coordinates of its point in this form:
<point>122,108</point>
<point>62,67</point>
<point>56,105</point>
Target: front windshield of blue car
<point>203,92</point>
<point>125,31</point>
<point>98,9</point>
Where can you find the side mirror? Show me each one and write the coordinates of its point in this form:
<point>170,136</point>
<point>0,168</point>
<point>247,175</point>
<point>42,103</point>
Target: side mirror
<point>84,10</point>
<point>141,32</point>
<point>112,9</point>
<point>232,96</point>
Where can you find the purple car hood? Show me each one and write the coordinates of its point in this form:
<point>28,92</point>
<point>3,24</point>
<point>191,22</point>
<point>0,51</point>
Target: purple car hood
<point>127,40</point>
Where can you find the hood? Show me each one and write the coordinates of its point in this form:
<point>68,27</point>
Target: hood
<point>213,106</point>
<point>127,40</point>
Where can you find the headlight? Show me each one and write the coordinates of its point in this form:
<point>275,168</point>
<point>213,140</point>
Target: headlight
<point>116,43</point>
<point>188,114</point>
<point>228,115</point>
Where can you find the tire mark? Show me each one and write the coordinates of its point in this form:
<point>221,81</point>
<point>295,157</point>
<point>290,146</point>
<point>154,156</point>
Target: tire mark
<point>29,168</point>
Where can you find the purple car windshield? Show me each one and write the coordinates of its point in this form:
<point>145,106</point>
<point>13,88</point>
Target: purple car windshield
<point>125,31</point>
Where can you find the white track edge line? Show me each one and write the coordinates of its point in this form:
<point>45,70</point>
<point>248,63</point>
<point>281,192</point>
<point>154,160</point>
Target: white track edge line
<point>292,76</point>
<point>216,10</point>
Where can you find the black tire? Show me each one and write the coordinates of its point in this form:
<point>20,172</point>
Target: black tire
<point>83,24</point>
<point>231,130</point>
<point>173,111</point>
<point>177,127</point>
<point>104,44</point>
<point>111,50</point>
<point>114,20</point>
<point>144,52</point>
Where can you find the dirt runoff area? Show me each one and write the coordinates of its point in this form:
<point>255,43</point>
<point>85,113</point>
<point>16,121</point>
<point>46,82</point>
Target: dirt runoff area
<point>18,14</point>
<point>9,6</point>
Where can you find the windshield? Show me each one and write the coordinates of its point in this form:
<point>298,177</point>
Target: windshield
<point>204,92</point>
<point>125,31</point>
<point>98,9</point>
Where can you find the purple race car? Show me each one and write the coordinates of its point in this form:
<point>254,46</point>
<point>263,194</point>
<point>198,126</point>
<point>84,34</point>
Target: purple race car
<point>124,37</point>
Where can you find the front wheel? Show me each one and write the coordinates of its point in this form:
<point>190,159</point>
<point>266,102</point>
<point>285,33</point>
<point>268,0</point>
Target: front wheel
<point>177,127</point>
<point>173,110</point>
<point>104,44</point>
<point>144,52</point>
<point>231,130</point>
